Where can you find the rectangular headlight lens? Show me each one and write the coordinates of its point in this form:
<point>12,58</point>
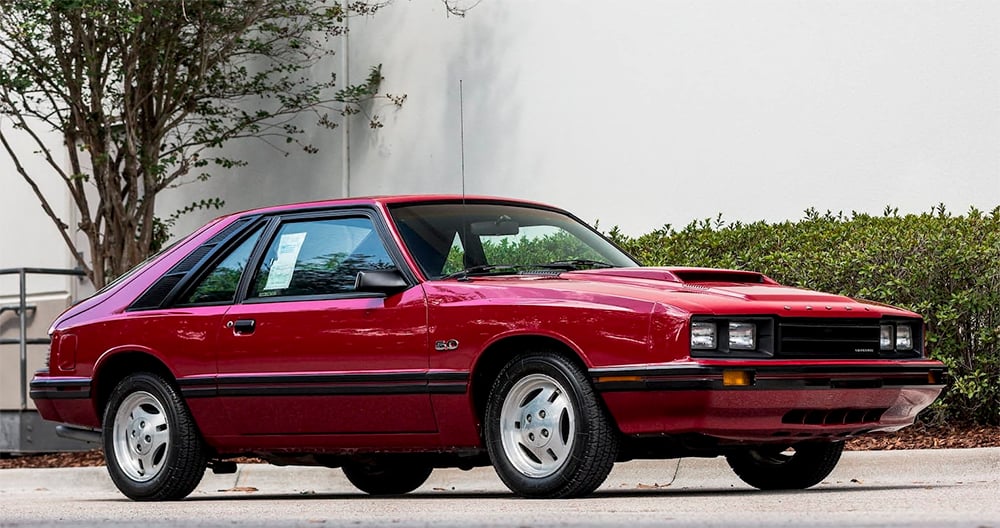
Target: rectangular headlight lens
<point>742,336</point>
<point>885,337</point>
<point>904,337</point>
<point>702,335</point>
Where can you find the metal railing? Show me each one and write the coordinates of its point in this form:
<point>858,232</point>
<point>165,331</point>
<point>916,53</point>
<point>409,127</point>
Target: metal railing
<point>21,309</point>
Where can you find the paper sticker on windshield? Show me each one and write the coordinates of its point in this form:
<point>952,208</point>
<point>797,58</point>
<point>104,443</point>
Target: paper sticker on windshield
<point>280,275</point>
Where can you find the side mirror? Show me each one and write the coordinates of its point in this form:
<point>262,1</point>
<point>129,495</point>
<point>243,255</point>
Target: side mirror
<point>380,281</point>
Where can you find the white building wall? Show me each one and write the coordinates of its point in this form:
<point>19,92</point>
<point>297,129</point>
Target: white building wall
<point>645,113</point>
<point>649,112</point>
<point>28,238</point>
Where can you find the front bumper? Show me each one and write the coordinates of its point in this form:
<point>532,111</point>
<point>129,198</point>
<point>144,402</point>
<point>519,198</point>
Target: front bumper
<point>828,400</point>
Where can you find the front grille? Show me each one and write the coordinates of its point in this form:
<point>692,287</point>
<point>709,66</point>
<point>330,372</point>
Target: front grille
<point>828,338</point>
<point>833,416</point>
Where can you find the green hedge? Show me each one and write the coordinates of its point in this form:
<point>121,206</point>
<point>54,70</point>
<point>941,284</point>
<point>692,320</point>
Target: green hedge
<point>945,267</point>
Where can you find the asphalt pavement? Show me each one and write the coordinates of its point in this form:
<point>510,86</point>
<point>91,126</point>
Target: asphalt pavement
<point>925,488</point>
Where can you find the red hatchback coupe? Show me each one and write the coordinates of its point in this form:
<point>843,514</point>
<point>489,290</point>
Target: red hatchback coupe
<point>391,336</point>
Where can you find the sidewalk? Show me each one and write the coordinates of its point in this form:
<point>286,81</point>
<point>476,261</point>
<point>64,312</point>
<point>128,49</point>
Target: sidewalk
<point>861,467</point>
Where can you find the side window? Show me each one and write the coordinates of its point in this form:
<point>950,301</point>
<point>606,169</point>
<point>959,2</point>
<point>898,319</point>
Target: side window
<point>219,286</point>
<point>319,257</point>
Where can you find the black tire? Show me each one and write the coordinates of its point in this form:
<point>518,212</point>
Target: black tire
<point>387,476</point>
<point>565,453</point>
<point>770,468</point>
<point>153,449</point>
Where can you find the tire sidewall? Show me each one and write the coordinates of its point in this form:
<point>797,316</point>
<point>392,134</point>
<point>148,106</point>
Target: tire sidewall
<point>557,368</point>
<point>158,388</point>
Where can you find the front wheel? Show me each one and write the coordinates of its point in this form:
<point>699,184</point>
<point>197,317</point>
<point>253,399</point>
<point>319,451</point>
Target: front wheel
<point>545,430</point>
<point>778,468</point>
<point>152,446</point>
<point>389,476</point>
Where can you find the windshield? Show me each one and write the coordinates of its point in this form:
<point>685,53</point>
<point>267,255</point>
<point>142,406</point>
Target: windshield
<point>456,239</point>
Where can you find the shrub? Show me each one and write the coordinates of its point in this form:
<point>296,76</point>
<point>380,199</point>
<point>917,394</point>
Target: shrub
<point>945,267</point>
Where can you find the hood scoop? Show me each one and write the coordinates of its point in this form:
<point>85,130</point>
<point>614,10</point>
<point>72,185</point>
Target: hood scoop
<point>735,284</point>
<point>715,276</point>
<point>688,276</point>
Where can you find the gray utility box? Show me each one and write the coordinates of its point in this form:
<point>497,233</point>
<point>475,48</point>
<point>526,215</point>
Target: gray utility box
<point>22,430</point>
<point>25,432</point>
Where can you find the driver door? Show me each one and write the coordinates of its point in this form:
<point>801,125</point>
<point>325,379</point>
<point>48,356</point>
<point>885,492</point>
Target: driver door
<point>306,354</point>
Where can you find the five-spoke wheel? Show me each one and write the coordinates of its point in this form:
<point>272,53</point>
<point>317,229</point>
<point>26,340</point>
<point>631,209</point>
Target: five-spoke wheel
<point>538,425</point>
<point>151,444</point>
<point>545,429</point>
<point>141,436</point>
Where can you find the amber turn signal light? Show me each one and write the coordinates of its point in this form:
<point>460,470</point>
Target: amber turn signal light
<point>737,378</point>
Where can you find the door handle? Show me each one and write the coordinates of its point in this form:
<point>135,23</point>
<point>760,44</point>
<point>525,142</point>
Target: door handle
<point>243,326</point>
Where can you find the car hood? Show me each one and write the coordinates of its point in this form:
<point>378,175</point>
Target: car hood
<point>707,291</point>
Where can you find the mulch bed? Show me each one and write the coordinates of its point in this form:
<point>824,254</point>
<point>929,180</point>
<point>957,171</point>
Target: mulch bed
<point>920,437</point>
<point>917,437</point>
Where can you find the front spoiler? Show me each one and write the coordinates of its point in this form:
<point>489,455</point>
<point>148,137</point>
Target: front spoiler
<point>775,402</point>
<point>696,376</point>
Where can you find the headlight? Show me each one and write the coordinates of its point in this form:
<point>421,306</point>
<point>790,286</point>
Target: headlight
<point>904,337</point>
<point>733,336</point>
<point>885,337</point>
<point>899,336</point>
<point>703,336</point>
<point>742,336</point>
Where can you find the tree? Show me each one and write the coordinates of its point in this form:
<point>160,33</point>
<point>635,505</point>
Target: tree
<point>145,92</point>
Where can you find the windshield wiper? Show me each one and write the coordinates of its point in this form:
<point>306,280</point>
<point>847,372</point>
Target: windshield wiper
<point>574,264</point>
<point>483,269</point>
<point>489,269</point>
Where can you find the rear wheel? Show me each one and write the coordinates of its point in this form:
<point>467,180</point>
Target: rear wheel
<point>151,444</point>
<point>387,476</point>
<point>546,432</point>
<point>779,468</point>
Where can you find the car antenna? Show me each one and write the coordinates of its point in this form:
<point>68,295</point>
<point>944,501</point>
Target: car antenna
<point>461,134</point>
<point>461,147</point>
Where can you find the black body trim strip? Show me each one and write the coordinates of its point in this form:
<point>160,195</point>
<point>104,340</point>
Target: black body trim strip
<point>44,383</point>
<point>324,390</point>
<point>60,388</point>
<point>326,384</point>
<point>60,395</point>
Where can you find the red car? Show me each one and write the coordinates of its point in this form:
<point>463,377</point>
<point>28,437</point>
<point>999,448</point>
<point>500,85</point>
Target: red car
<point>390,336</point>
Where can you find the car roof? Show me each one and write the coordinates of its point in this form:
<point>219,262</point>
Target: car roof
<point>384,200</point>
